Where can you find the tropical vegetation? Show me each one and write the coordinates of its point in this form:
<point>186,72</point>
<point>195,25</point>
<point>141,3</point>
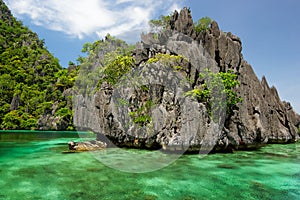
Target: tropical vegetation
<point>31,79</point>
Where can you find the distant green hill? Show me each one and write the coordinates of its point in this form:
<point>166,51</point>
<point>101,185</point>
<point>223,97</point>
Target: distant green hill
<point>32,82</point>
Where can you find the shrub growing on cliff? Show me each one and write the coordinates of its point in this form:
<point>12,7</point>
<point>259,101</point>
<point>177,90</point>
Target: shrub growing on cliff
<point>141,115</point>
<point>202,24</point>
<point>107,61</point>
<point>173,61</point>
<point>161,23</point>
<point>113,71</point>
<point>166,58</point>
<point>208,92</point>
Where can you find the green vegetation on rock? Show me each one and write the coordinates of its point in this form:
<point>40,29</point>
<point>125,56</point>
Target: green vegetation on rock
<point>106,61</point>
<point>166,58</point>
<point>114,70</point>
<point>141,115</point>
<point>161,23</point>
<point>214,87</point>
<point>202,24</point>
<point>173,61</point>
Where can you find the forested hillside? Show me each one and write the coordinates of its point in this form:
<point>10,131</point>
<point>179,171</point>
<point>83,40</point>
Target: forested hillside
<point>32,82</point>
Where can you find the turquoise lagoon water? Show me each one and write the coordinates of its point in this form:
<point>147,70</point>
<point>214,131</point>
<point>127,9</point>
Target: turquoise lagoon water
<point>32,166</point>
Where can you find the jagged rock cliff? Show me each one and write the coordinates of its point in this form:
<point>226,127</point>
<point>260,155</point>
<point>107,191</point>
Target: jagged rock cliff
<point>174,121</point>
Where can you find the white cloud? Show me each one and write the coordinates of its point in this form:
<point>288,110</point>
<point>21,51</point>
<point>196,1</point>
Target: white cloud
<point>80,18</point>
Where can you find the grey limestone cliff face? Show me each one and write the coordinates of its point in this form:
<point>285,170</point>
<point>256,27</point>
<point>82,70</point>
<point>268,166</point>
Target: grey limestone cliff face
<point>171,120</point>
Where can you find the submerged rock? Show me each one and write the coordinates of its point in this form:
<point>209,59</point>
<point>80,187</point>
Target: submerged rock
<point>86,146</point>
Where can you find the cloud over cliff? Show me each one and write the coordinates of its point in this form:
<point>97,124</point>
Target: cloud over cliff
<point>79,18</point>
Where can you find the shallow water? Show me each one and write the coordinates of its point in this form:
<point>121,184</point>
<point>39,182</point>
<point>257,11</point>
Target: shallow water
<point>32,166</point>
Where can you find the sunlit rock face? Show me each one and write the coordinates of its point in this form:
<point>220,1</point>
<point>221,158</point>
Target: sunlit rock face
<point>148,108</point>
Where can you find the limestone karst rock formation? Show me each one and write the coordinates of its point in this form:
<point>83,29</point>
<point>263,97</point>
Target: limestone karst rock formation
<point>179,122</point>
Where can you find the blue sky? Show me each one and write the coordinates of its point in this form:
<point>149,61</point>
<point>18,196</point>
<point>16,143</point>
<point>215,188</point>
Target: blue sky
<point>268,29</point>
